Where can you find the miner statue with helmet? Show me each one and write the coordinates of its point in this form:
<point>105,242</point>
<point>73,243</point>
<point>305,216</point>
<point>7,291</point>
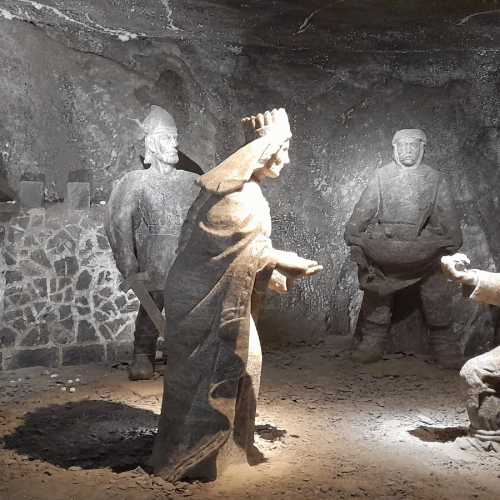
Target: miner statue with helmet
<point>144,216</point>
<point>404,222</point>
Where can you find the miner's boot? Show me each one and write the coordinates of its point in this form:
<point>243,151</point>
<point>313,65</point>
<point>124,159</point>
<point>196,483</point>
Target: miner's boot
<point>372,346</point>
<point>142,367</point>
<point>445,349</point>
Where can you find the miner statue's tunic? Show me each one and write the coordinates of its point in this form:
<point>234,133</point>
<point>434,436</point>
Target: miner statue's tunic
<point>225,263</point>
<point>145,213</point>
<point>403,223</point>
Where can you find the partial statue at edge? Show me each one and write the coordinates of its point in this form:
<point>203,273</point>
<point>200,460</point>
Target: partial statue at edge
<point>144,217</point>
<point>403,223</point>
<point>225,262</point>
<point>481,373</point>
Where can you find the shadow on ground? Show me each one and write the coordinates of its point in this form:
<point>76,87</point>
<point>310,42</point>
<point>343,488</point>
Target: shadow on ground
<point>269,432</point>
<point>438,434</point>
<point>87,434</point>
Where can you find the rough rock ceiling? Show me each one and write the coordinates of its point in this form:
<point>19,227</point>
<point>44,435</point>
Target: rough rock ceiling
<point>296,24</point>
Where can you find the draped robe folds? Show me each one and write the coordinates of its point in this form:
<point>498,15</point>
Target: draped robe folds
<point>213,351</point>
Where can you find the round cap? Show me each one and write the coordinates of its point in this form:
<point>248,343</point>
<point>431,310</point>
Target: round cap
<point>409,134</point>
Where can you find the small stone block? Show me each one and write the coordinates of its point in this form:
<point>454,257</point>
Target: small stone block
<point>80,175</point>
<point>82,355</point>
<point>46,356</point>
<point>12,277</point>
<point>31,194</point>
<point>84,280</point>
<point>86,331</point>
<point>6,193</point>
<point>78,195</point>
<point>33,176</point>
<point>120,351</point>
<point>7,337</point>
<point>39,335</point>
<point>67,266</point>
<point>8,208</point>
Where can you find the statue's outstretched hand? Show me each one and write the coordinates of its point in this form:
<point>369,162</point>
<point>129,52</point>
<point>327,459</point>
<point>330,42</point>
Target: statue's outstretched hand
<point>455,267</point>
<point>292,265</point>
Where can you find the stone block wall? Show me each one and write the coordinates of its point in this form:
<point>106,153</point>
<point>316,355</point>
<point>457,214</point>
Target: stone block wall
<point>59,298</point>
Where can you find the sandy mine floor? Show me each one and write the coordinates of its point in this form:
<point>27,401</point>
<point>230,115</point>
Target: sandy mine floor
<point>326,427</point>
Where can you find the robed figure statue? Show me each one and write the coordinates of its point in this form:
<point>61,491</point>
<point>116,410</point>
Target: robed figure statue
<point>225,262</point>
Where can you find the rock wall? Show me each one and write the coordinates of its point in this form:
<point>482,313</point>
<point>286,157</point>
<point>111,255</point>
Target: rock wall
<point>60,300</point>
<point>73,110</point>
<point>350,74</point>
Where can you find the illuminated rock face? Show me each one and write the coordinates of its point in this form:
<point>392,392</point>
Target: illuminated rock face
<point>70,90</point>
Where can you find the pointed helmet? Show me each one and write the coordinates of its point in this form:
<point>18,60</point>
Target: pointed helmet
<point>159,121</point>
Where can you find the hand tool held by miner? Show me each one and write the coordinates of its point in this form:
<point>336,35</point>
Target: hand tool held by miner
<point>138,283</point>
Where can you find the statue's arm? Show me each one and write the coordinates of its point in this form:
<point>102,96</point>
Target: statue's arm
<point>480,286</point>
<point>120,225</point>
<point>364,212</point>
<point>288,265</point>
<point>284,267</point>
<point>487,289</point>
<point>446,217</point>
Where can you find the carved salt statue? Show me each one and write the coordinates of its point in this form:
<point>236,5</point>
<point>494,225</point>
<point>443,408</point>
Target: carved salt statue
<point>145,213</point>
<point>482,373</point>
<point>403,223</point>
<point>225,262</point>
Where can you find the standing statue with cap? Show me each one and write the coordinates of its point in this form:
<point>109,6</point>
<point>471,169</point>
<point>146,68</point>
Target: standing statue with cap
<point>225,263</point>
<point>145,213</point>
<point>403,223</point>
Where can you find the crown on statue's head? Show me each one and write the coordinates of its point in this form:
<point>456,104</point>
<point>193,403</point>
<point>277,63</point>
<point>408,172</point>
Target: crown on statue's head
<point>271,122</point>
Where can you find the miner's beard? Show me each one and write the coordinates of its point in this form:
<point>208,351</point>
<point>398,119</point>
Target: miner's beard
<point>169,157</point>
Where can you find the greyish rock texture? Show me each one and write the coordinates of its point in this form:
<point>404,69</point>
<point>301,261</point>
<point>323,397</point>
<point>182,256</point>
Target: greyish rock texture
<point>76,73</point>
<point>60,302</point>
